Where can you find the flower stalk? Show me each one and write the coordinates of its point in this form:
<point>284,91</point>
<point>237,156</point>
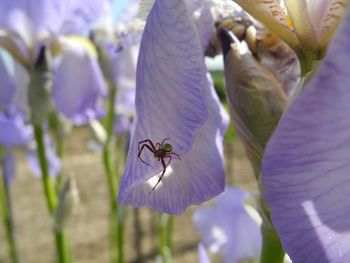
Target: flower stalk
<point>116,217</point>
<point>61,237</point>
<point>165,224</point>
<point>40,87</point>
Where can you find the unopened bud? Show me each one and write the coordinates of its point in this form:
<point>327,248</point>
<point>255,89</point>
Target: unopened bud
<point>68,198</point>
<point>256,99</point>
<point>40,88</point>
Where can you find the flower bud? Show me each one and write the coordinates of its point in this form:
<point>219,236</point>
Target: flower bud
<point>40,88</point>
<point>256,99</point>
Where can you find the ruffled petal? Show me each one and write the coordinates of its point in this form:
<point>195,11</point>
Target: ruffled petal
<point>79,86</point>
<point>227,228</point>
<point>174,100</point>
<point>306,164</point>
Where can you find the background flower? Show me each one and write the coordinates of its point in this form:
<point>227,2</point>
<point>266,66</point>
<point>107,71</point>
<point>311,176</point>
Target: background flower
<point>227,229</point>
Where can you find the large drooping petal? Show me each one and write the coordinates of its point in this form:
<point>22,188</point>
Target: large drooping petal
<point>226,228</point>
<point>175,100</point>
<point>306,164</point>
<point>79,86</point>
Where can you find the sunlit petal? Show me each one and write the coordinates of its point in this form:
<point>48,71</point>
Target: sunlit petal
<point>202,254</point>
<point>306,164</point>
<point>228,229</point>
<point>78,85</point>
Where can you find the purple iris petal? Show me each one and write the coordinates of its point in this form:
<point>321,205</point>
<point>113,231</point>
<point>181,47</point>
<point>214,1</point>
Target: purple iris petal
<point>175,100</point>
<point>8,167</point>
<point>306,164</point>
<point>13,131</point>
<point>202,254</point>
<point>227,228</point>
<point>79,87</point>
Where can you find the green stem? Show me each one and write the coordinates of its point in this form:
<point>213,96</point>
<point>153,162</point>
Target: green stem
<point>307,59</point>
<point>6,213</point>
<point>48,184</point>
<point>116,218</point>
<point>164,241</point>
<point>169,237</point>
<point>62,245</point>
<point>61,239</point>
<point>272,250</point>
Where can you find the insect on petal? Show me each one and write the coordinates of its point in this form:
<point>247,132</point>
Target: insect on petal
<point>175,100</point>
<point>306,164</point>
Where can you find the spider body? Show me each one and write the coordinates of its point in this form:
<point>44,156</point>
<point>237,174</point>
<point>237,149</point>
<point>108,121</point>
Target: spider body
<point>161,151</point>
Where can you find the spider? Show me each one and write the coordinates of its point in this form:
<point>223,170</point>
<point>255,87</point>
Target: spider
<point>161,151</point>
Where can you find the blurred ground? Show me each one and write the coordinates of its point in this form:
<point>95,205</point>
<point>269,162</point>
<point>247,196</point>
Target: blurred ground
<point>89,224</point>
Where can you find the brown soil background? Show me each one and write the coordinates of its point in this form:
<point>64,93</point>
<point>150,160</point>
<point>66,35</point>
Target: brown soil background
<point>88,226</point>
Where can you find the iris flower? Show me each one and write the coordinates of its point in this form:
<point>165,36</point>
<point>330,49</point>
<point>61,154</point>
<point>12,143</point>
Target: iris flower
<point>306,163</point>
<point>175,99</point>
<point>28,26</point>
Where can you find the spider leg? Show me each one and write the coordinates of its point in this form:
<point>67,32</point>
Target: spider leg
<point>147,141</point>
<point>165,140</point>
<point>170,157</point>
<point>178,156</point>
<point>143,146</point>
<point>162,175</point>
<point>158,145</point>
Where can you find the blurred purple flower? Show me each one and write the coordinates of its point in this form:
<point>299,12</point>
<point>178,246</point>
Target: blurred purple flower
<point>174,99</point>
<point>306,163</point>
<point>79,86</point>
<point>227,229</point>
<point>124,69</point>
<point>27,26</point>
<point>13,131</point>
